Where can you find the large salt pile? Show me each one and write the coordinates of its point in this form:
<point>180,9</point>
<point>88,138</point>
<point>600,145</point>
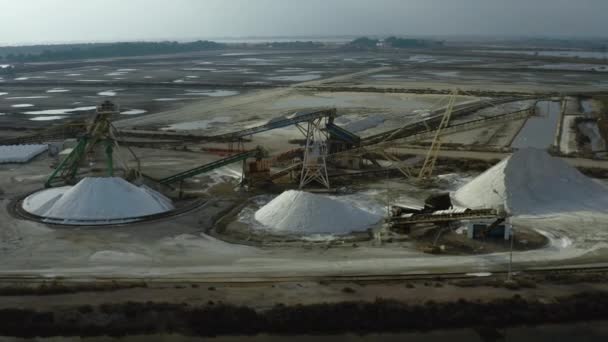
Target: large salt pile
<point>97,200</point>
<point>531,182</point>
<point>306,213</point>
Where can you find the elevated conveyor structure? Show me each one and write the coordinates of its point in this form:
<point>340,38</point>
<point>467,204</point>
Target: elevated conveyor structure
<point>233,136</point>
<point>211,166</point>
<point>68,168</point>
<point>340,133</point>
<point>99,143</point>
<point>431,123</point>
<point>473,124</point>
<point>298,118</point>
<point>445,216</point>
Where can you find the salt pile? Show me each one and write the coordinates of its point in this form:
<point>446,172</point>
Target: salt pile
<point>97,200</point>
<point>531,182</point>
<point>306,213</point>
<point>20,153</point>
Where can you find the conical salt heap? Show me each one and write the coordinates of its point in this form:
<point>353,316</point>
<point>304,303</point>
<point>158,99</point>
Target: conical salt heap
<point>97,199</point>
<point>306,213</point>
<point>531,182</point>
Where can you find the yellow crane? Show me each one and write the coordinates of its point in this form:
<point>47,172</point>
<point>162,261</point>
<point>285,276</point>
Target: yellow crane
<point>426,171</point>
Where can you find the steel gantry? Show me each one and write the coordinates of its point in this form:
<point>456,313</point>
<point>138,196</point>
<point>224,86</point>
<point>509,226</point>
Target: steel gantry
<point>314,165</point>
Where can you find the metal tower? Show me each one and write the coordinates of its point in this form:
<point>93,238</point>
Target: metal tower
<point>314,166</point>
<point>98,143</point>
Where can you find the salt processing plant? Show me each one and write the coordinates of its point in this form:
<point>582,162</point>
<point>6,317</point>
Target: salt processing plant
<point>260,171</point>
<point>312,176</point>
<point>338,190</point>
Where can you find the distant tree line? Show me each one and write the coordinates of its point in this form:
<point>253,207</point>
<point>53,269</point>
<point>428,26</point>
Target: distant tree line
<point>394,42</point>
<point>296,45</point>
<point>365,42</point>
<point>102,50</point>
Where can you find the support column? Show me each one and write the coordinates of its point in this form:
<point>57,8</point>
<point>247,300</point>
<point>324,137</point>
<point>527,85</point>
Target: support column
<point>314,166</point>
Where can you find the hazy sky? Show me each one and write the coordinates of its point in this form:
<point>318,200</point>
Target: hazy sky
<point>33,21</point>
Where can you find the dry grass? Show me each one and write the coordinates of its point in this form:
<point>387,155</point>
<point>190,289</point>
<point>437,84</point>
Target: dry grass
<point>55,287</point>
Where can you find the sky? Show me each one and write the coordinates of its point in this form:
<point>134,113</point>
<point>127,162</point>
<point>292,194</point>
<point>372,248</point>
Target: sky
<point>55,21</point>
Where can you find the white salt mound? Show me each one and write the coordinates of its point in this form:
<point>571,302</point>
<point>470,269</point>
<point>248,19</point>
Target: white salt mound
<point>306,213</point>
<point>98,199</point>
<point>531,182</point>
<point>40,202</point>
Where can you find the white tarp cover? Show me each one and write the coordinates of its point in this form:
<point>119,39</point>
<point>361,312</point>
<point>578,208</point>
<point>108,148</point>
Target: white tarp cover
<point>20,153</point>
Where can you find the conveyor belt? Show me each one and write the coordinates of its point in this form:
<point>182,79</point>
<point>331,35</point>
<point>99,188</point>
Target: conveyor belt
<point>327,113</point>
<point>432,122</point>
<point>208,167</point>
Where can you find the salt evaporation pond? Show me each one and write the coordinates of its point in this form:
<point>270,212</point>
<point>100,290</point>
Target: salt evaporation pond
<point>539,131</point>
<point>108,92</point>
<point>195,125</point>
<point>199,69</point>
<point>239,54</point>
<point>27,97</point>
<point>421,58</point>
<point>167,99</point>
<point>134,112</point>
<point>48,118</point>
<point>290,70</point>
<point>445,73</point>
<point>60,111</point>
<point>262,60</point>
<point>211,93</point>
<point>563,53</point>
<point>385,76</point>
<point>22,105</point>
<point>57,90</point>
<point>573,67</point>
<point>296,78</point>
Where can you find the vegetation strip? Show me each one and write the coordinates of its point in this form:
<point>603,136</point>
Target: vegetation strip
<point>361,317</point>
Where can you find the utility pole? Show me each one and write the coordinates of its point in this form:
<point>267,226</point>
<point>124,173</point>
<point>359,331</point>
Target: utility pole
<point>512,236</point>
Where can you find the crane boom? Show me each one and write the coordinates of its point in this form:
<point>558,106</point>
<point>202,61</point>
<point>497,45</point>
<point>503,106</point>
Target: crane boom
<point>431,158</point>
